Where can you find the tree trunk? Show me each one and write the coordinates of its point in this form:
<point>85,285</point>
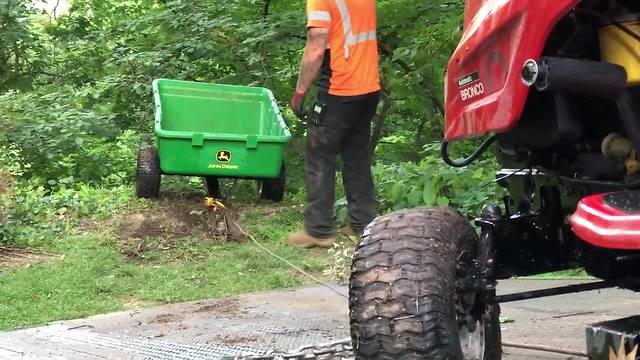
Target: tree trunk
<point>420,133</point>
<point>378,121</point>
<point>265,11</point>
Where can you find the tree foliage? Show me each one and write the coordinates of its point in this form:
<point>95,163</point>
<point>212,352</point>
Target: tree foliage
<point>99,59</point>
<point>19,44</point>
<point>75,89</point>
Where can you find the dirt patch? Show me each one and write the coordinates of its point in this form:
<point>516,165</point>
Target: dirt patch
<point>165,319</point>
<point>11,258</point>
<point>165,222</point>
<point>168,225</point>
<point>168,221</point>
<point>226,307</point>
<point>178,219</point>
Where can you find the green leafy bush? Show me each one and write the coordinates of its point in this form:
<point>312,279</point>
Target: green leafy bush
<point>56,134</point>
<point>433,183</point>
<point>11,161</point>
<point>65,140</point>
<point>33,215</point>
<point>430,183</point>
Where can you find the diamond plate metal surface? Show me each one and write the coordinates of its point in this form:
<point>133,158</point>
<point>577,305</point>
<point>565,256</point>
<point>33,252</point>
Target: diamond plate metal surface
<point>257,324</point>
<point>58,342</point>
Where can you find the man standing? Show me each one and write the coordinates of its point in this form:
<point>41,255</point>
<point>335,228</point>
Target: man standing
<point>341,34</point>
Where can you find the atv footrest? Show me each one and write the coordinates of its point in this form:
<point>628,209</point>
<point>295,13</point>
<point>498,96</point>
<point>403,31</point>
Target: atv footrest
<point>617,339</point>
<point>610,221</point>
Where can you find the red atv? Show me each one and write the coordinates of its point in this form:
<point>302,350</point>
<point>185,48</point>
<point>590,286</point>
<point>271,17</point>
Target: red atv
<point>554,85</point>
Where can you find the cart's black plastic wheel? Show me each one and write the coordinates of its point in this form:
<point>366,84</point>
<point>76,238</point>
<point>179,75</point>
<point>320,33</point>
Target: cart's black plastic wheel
<point>405,296</point>
<point>148,173</point>
<point>273,189</point>
<point>213,187</point>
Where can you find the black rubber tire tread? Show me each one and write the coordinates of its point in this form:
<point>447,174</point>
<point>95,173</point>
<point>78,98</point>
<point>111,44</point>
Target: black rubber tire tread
<point>148,173</point>
<point>273,189</point>
<point>212,186</point>
<point>401,293</point>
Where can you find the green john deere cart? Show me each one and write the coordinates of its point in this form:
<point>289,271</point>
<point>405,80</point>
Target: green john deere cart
<point>214,131</point>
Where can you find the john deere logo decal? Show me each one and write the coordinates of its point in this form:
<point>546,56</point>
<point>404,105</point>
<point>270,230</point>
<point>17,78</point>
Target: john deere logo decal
<point>223,156</point>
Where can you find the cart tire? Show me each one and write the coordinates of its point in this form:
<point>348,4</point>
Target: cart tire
<point>212,185</point>
<point>148,173</point>
<point>273,189</point>
<point>405,295</point>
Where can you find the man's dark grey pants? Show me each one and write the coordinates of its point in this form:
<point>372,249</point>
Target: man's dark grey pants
<point>345,131</point>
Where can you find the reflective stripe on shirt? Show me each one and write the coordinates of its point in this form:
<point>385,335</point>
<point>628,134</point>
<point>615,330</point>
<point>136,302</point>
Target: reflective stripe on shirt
<point>351,39</point>
<point>319,16</point>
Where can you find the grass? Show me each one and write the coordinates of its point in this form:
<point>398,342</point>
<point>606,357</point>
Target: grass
<point>90,275</point>
<point>565,274</point>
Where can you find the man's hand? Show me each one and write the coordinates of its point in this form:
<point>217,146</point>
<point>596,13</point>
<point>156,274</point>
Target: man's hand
<point>317,40</point>
<point>297,104</point>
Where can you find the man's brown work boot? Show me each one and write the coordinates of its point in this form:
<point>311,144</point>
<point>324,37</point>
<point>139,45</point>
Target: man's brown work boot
<point>302,240</point>
<point>348,231</point>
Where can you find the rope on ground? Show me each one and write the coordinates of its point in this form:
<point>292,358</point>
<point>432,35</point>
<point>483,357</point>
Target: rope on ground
<point>545,348</point>
<point>311,277</point>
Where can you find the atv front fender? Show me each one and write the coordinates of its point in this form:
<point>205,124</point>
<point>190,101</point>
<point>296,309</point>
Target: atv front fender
<point>484,91</point>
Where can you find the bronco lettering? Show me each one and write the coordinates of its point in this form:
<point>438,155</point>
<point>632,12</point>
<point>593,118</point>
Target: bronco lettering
<point>472,91</point>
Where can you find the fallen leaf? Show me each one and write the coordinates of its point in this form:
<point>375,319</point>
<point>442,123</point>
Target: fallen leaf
<point>506,320</point>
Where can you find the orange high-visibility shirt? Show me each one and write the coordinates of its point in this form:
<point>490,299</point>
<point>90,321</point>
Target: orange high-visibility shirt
<point>353,43</point>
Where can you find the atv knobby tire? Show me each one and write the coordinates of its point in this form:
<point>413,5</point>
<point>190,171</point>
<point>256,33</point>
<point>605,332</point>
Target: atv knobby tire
<point>148,173</point>
<point>273,189</point>
<point>405,297</point>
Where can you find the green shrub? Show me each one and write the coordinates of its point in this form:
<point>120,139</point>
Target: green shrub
<point>33,215</point>
<point>433,183</point>
<point>63,134</point>
<point>11,161</point>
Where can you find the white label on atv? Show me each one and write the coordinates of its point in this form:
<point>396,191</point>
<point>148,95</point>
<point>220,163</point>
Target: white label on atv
<point>472,91</point>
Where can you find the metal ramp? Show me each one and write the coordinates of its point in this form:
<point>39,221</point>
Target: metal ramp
<point>288,319</point>
<point>59,342</point>
<point>253,324</point>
